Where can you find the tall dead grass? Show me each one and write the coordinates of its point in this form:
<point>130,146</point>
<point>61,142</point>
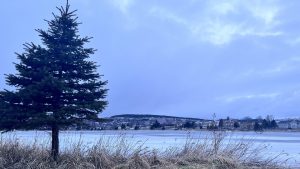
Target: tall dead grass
<point>121,153</point>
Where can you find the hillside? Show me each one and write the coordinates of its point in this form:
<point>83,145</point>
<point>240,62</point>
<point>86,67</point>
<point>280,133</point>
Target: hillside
<point>151,116</point>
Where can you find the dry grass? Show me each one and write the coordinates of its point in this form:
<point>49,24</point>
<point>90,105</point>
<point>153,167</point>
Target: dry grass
<point>120,153</point>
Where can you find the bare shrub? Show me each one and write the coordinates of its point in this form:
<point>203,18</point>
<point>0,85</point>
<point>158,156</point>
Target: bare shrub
<point>122,153</point>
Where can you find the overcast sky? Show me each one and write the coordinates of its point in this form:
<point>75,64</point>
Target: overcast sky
<point>190,58</point>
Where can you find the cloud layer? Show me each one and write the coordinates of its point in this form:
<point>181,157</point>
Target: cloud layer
<point>193,58</point>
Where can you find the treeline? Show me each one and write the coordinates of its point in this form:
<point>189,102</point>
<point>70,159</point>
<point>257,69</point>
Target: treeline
<point>187,125</point>
<point>151,116</point>
<point>267,123</point>
<point>257,124</point>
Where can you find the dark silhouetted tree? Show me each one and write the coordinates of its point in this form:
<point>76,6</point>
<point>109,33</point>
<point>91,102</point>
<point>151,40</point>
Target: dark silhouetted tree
<point>137,127</point>
<point>189,125</point>
<point>273,124</point>
<point>265,124</point>
<point>123,126</point>
<point>155,125</point>
<point>257,127</point>
<point>269,122</point>
<point>221,123</point>
<point>236,124</point>
<point>56,83</point>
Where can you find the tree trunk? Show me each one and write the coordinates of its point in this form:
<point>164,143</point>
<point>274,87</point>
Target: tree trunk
<point>55,142</point>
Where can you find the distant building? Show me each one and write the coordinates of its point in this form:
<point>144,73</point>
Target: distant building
<point>283,124</point>
<point>289,124</point>
<point>206,123</point>
<point>228,124</point>
<point>247,124</point>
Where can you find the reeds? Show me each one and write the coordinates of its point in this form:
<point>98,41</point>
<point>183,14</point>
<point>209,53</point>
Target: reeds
<point>119,152</point>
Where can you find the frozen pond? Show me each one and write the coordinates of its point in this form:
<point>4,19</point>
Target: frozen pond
<point>278,142</point>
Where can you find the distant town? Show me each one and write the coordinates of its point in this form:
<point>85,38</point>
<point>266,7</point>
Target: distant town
<point>159,122</point>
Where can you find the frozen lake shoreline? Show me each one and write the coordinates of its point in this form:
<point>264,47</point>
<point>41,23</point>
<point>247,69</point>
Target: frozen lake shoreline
<point>278,142</point>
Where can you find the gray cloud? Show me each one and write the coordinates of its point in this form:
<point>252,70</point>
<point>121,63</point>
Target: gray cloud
<point>191,58</point>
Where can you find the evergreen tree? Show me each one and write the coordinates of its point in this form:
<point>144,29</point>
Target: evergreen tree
<point>257,127</point>
<point>221,123</point>
<point>265,124</point>
<point>137,127</point>
<point>56,85</point>
<point>236,124</point>
<point>123,126</point>
<point>155,125</point>
<point>189,125</point>
<point>273,124</point>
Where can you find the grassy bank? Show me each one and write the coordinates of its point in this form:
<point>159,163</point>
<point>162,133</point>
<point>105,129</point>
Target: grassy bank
<point>120,153</point>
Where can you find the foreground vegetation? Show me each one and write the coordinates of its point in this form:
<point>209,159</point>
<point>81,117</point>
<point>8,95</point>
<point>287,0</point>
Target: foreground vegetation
<point>120,153</point>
